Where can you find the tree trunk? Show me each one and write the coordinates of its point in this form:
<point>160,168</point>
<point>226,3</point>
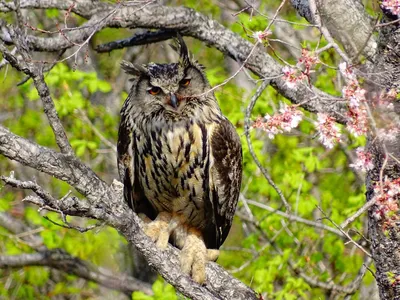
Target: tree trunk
<point>384,232</point>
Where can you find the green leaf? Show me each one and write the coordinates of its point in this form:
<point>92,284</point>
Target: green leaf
<point>52,13</point>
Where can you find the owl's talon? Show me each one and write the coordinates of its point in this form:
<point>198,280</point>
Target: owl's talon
<point>212,254</point>
<point>194,257</point>
<point>145,219</point>
<point>162,241</point>
<point>158,230</point>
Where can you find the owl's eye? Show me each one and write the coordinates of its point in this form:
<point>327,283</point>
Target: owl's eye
<point>154,90</point>
<point>185,82</point>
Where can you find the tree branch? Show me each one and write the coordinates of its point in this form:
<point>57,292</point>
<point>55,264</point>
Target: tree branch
<point>82,8</point>
<point>191,23</point>
<point>63,261</point>
<point>61,166</point>
<point>347,22</point>
<point>145,38</point>
<point>263,170</point>
<point>295,218</point>
<point>43,90</point>
<point>60,260</point>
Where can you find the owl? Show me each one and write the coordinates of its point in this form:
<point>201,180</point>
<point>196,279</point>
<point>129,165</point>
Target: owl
<point>180,159</point>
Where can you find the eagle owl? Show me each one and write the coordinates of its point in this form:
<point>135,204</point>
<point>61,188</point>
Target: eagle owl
<point>180,159</point>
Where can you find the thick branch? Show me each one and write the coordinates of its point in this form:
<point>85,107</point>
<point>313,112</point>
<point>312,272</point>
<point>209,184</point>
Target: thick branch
<point>83,8</point>
<point>63,167</point>
<point>194,24</point>
<point>346,20</point>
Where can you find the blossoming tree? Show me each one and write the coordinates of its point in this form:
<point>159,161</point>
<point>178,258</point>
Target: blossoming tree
<point>319,115</point>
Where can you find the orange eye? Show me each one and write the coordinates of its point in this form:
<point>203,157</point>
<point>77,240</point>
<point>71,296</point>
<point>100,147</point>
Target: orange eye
<point>185,82</point>
<point>154,90</point>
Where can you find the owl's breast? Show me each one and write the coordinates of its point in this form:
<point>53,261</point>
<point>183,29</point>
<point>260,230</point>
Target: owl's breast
<point>173,165</point>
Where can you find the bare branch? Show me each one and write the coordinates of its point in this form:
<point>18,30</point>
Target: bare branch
<point>81,7</point>
<point>60,260</point>
<point>351,288</point>
<point>61,166</point>
<point>358,213</point>
<point>345,20</point>
<point>263,170</point>
<point>48,105</point>
<point>324,30</point>
<point>345,233</point>
<point>295,218</point>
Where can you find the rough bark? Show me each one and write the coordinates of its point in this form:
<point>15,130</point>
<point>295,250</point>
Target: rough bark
<point>384,234</point>
<point>346,20</point>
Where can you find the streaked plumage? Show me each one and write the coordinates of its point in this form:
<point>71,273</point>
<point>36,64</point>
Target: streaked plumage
<point>179,156</point>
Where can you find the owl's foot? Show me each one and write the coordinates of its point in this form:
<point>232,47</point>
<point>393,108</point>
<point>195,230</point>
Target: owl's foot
<point>158,230</point>
<point>212,254</point>
<point>194,256</point>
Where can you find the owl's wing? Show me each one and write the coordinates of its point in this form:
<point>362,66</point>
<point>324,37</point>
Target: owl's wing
<point>225,178</point>
<point>126,160</point>
<point>133,192</point>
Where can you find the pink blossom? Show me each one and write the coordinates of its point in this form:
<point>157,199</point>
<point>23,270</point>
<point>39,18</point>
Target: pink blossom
<point>387,195</point>
<point>358,117</point>
<point>308,59</point>
<point>347,71</point>
<point>386,99</point>
<point>358,121</point>
<point>303,68</point>
<point>392,5</point>
<point>363,162</point>
<point>261,36</point>
<point>290,117</point>
<point>292,76</point>
<point>354,94</point>
<point>287,119</point>
<point>388,134</point>
<point>329,132</point>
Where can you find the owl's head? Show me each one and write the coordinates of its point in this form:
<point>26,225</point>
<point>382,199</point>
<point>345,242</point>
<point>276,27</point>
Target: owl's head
<point>171,86</point>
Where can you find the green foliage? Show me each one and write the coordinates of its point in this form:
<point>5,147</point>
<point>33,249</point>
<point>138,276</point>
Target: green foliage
<point>161,289</point>
<point>308,175</point>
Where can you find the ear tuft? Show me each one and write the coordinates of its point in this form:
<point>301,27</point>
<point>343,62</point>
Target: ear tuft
<point>133,69</point>
<point>184,58</point>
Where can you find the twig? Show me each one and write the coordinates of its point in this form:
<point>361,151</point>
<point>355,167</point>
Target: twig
<point>61,260</point>
<point>69,226</point>
<point>96,131</point>
<point>351,288</point>
<point>296,218</point>
<point>345,233</point>
<point>265,172</point>
<point>43,90</point>
<point>358,213</point>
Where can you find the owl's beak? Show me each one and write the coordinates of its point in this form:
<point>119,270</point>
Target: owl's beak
<point>174,101</point>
